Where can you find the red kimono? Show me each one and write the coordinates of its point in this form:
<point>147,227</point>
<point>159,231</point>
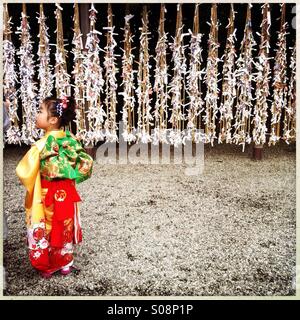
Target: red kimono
<point>49,171</point>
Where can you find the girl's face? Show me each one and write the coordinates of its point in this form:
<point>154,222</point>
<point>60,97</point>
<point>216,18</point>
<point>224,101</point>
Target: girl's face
<point>43,121</point>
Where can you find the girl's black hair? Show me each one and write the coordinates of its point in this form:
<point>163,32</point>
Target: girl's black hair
<point>68,113</point>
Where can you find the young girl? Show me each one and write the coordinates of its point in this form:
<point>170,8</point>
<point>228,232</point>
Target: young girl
<point>49,171</point>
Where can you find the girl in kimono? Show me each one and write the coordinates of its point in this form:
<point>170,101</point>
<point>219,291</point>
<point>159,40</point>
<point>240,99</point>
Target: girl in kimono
<point>49,171</point>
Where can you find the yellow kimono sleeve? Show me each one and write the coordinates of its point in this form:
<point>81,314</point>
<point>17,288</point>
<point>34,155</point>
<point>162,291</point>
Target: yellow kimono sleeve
<point>28,171</point>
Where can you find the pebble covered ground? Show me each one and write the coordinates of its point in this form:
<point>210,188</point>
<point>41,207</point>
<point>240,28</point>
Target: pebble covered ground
<point>153,230</point>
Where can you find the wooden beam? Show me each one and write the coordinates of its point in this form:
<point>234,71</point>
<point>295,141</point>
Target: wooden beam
<point>257,152</point>
<point>84,21</point>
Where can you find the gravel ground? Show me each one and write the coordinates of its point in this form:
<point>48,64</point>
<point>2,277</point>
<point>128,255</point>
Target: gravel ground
<point>153,230</point>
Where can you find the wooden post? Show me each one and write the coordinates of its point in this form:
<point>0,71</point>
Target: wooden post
<point>91,151</point>
<point>84,21</point>
<point>257,151</point>
<point>85,29</point>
